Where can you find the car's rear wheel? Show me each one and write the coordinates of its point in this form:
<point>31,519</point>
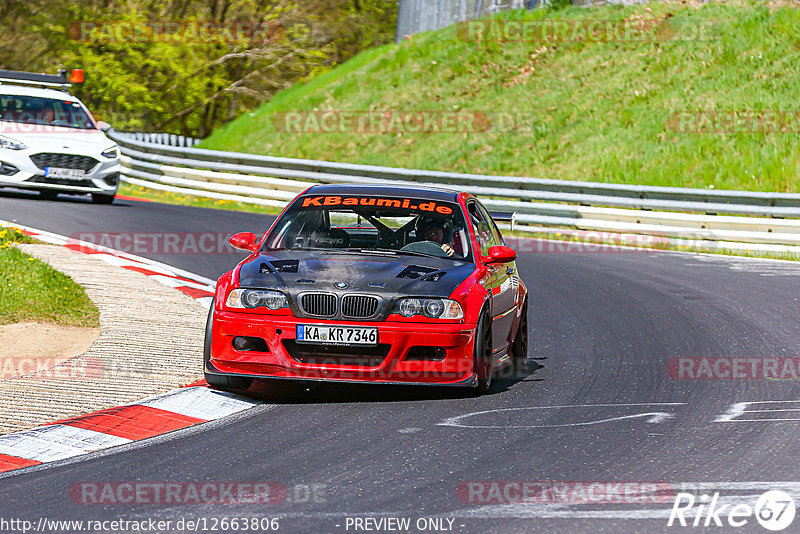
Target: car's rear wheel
<point>47,194</point>
<point>100,198</point>
<point>482,354</point>
<point>220,381</point>
<point>519,349</point>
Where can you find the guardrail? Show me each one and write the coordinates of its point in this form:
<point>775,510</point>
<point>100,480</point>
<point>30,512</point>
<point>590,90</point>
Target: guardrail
<point>750,217</point>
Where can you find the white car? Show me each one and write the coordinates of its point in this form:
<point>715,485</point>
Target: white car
<point>50,142</point>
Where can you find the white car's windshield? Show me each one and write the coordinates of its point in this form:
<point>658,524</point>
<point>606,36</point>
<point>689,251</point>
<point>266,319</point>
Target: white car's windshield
<point>36,110</point>
<point>361,223</point>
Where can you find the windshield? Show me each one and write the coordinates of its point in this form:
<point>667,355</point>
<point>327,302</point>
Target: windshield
<point>380,224</point>
<point>43,111</point>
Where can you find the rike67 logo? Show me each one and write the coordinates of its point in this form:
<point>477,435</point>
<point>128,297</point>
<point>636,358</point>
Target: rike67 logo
<point>774,510</point>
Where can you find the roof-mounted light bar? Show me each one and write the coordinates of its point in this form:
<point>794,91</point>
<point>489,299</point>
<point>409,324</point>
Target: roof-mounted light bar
<point>45,80</point>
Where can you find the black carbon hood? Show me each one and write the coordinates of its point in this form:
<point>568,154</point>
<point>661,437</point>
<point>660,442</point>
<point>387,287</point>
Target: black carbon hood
<point>386,276</point>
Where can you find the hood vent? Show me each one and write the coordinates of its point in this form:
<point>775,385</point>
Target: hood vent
<point>415,271</point>
<point>285,266</point>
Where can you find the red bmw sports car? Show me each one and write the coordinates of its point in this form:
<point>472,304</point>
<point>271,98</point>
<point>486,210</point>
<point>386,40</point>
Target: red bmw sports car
<point>378,284</point>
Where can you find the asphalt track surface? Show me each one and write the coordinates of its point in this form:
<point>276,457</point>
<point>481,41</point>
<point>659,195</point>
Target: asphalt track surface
<point>597,403</point>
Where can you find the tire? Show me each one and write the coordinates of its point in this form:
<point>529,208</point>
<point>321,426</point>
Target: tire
<point>482,354</point>
<point>220,381</point>
<point>100,198</point>
<point>47,194</point>
<point>519,349</point>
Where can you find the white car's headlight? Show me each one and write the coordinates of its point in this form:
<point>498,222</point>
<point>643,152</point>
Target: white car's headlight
<point>432,308</point>
<point>256,298</point>
<point>11,144</point>
<point>111,153</point>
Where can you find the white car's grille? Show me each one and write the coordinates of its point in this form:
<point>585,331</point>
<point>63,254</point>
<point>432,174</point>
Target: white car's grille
<point>64,161</point>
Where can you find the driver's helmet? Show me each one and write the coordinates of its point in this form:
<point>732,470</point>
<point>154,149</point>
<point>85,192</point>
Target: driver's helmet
<point>423,224</point>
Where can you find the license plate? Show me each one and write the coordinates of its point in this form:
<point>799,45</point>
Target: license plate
<point>337,335</point>
<point>57,172</point>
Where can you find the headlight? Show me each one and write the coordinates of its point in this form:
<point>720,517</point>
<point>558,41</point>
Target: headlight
<point>432,308</point>
<point>111,153</point>
<point>11,144</point>
<point>256,298</point>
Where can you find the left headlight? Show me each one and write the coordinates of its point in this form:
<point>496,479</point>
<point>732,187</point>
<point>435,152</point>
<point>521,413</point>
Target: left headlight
<point>256,298</point>
<point>11,144</point>
<point>112,152</point>
<point>432,308</point>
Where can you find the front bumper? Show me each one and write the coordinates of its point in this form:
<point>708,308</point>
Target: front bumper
<point>392,362</point>
<point>103,178</point>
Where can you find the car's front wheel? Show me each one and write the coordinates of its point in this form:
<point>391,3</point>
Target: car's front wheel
<point>482,354</point>
<point>220,381</point>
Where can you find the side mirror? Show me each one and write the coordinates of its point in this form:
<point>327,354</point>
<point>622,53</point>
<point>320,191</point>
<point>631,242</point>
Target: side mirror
<point>500,254</point>
<point>244,241</point>
<point>104,126</point>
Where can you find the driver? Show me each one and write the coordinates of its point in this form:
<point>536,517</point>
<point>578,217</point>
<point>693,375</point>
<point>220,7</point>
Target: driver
<point>436,230</point>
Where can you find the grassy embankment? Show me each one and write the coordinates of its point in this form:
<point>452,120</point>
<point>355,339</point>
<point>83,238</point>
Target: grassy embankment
<point>30,290</point>
<point>585,110</point>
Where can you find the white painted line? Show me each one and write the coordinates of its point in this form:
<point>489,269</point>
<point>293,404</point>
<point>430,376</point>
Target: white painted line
<point>125,262</point>
<point>56,442</point>
<point>653,417</point>
<point>199,402</point>
<point>740,408</point>
<point>174,282</point>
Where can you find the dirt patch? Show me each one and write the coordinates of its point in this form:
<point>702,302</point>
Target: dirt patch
<point>29,347</point>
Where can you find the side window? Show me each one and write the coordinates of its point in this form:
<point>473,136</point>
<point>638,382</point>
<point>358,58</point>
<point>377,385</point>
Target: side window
<point>498,237</point>
<point>482,226</point>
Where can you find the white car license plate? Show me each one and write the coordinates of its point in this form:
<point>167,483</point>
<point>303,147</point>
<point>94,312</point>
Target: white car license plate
<point>337,335</point>
<point>57,172</point>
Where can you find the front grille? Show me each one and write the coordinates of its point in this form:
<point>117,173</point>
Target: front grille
<point>64,161</point>
<point>359,306</point>
<point>59,181</point>
<point>320,304</point>
<point>336,355</point>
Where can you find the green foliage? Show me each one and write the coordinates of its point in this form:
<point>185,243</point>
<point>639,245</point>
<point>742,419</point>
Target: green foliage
<point>185,81</point>
<point>586,110</point>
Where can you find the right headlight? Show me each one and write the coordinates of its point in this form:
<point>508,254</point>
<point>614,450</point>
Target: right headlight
<point>11,144</point>
<point>256,298</point>
<point>432,308</point>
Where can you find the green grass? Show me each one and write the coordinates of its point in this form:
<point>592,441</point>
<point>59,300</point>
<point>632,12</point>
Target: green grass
<point>165,197</point>
<point>595,111</point>
<point>30,290</point>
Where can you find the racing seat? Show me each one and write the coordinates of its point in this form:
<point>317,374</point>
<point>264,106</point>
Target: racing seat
<point>330,238</point>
